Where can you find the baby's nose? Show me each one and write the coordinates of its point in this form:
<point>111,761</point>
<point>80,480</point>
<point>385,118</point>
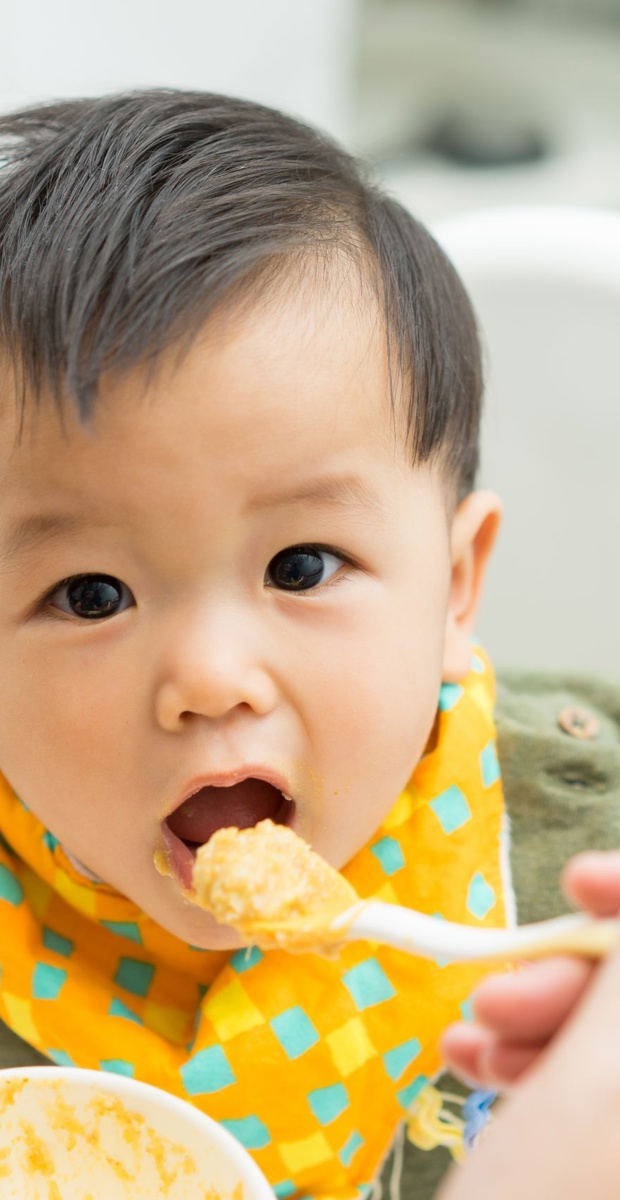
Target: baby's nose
<point>212,669</point>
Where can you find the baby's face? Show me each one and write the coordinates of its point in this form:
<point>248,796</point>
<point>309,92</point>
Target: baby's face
<point>233,588</point>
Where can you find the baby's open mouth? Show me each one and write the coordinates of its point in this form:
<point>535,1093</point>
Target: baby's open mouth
<point>243,804</point>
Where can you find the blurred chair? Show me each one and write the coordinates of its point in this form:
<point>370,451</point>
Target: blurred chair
<point>545,282</point>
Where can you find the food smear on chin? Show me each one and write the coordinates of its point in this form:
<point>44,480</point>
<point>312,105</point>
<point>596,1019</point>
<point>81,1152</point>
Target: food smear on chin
<point>269,885</point>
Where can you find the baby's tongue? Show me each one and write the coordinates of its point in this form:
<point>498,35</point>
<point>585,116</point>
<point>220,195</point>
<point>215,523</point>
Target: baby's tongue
<point>244,804</point>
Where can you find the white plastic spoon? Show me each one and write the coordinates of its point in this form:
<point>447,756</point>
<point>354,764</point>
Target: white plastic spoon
<point>280,894</point>
<point>432,937</point>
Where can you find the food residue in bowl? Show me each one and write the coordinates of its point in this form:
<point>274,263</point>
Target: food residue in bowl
<point>93,1147</point>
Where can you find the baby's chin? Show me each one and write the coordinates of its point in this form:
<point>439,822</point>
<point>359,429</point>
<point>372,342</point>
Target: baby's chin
<point>160,896</point>
<point>193,926</point>
<point>218,937</point>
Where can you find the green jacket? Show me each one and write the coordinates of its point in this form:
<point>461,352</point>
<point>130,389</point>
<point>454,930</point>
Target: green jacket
<point>559,749</point>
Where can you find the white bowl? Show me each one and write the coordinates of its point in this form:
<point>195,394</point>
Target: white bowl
<point>69,1134</point>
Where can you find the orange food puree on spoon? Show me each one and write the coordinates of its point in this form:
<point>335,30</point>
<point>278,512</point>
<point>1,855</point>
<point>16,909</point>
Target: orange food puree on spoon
<point>272,888</point>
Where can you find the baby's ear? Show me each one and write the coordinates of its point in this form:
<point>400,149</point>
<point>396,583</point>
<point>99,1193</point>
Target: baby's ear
<point>474,529</point>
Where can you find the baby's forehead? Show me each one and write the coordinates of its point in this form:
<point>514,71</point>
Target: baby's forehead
<point>288,374</point>
<point>281,403</point>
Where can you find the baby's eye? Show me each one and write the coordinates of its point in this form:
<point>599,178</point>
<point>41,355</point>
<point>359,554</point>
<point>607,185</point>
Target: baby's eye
<point>300,568</point>
<point>91,597</point>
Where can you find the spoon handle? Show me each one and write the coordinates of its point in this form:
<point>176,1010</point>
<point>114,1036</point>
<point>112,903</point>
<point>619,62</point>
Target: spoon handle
<point>432,937</point>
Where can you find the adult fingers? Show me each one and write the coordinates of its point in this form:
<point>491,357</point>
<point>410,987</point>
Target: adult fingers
<point>592,880</point>
<point>530,1004</point>
<point>502,1063</point>
<point>461,1048</point>
<point>481,1060</point>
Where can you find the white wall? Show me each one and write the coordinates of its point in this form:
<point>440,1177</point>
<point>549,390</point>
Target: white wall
<point>546,285</point>
<point>294,54</point>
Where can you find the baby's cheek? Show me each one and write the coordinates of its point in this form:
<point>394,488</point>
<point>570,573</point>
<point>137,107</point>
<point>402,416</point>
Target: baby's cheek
<point>374,767</point>
<point>61,753</point>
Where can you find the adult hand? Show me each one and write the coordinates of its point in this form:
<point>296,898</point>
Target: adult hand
<point>517,1014</point>
<point>557,1133</point>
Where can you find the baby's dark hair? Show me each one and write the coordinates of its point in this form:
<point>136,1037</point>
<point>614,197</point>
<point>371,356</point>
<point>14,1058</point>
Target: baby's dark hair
<point>126,219</point>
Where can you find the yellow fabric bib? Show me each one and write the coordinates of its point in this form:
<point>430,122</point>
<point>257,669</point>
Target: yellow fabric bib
<point>311,1063</point>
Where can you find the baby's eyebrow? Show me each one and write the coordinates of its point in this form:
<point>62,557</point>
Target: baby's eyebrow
<point>336,490</point>
<point>29,532</point>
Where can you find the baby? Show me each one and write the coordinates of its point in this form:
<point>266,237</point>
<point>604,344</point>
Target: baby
<point>241,556</point>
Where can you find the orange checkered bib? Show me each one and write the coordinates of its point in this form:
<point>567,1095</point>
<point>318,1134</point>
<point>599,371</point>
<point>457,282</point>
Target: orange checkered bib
<point>311,1063</point>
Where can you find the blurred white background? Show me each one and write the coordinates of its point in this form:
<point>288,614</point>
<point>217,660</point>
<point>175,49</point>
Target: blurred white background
<point>461,104</point>
<point>294,54</point>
